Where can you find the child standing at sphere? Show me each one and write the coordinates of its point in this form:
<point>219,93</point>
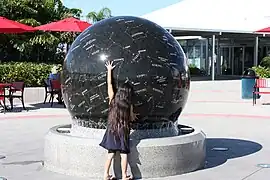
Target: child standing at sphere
<point>116,137</point>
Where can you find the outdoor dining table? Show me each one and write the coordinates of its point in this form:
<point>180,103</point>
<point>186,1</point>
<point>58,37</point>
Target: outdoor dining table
<point>3,87</point>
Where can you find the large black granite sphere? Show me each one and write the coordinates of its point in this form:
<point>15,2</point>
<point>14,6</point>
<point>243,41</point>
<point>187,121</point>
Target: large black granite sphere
<point>145,55</point>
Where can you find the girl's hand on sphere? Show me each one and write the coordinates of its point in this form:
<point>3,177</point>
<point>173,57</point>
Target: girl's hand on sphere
<point>109,65</point>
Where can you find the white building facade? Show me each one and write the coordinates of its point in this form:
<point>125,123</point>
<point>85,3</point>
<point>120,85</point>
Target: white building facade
<point>227,25</point>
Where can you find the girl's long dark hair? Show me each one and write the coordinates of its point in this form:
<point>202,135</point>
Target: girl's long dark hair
<point>119,110</point>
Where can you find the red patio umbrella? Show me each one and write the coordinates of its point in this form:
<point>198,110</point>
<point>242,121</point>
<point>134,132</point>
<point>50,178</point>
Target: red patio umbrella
<point>264,30</point>
<point>66,25</point>
<point>9,26</point>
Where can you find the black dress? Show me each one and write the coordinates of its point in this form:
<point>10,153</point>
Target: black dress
<point>114,143</point>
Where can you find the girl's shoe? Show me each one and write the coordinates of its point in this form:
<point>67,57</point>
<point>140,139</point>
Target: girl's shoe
<point>128,178</point>
<point>110,177</point>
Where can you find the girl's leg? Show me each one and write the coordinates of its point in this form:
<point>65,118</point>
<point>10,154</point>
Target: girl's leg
<point>108,166</point>
<point>124,164</point>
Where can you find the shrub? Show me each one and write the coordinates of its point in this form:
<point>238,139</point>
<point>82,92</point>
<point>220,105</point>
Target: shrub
<point>265,62</point>
<point>262,72</point>
<point>196,71</point>
<point>32,74</point>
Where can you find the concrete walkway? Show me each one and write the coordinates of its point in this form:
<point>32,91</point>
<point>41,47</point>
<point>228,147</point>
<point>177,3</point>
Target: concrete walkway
<point>216,107</point>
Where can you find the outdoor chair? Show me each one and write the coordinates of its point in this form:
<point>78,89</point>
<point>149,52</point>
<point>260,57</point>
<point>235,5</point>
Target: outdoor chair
<point>2,98</point>
<point>48,90</point>
<point>1,94</point>
<point>16,91</point>
<point>260,84</point>
<point>55,86</point>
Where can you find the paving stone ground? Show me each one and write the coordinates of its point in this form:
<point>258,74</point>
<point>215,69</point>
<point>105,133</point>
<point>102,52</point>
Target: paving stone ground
<point>215,107</point>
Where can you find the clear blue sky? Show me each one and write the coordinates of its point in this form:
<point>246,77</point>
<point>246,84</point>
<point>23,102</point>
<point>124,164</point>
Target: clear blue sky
<point>120,7</point>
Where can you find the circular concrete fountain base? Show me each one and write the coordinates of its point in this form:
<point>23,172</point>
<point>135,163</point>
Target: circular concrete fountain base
<point>74,155</point>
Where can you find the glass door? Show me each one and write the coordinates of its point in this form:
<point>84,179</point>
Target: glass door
<point>237,60</point>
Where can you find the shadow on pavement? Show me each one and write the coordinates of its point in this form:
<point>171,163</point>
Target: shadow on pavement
<point>48,105</point>
<point>17,108</point>
<point>235,148</point>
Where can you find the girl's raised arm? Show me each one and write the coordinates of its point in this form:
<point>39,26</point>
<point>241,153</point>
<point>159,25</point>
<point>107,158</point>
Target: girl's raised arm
<point>109,66</point>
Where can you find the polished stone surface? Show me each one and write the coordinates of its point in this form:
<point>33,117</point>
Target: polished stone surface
<point>144,53</point>
<point>149,158</point>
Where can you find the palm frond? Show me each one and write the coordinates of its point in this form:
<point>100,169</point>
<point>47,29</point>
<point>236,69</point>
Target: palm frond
<point>93,16</point>
<point>106,12</point>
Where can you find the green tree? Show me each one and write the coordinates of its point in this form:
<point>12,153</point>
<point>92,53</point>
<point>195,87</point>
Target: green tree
<point>100,15</point>
<point>265,62</point>
<point>74,13</point>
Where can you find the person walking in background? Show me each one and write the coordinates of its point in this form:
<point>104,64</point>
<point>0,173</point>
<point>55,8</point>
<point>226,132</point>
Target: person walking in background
<point>116,137</point>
